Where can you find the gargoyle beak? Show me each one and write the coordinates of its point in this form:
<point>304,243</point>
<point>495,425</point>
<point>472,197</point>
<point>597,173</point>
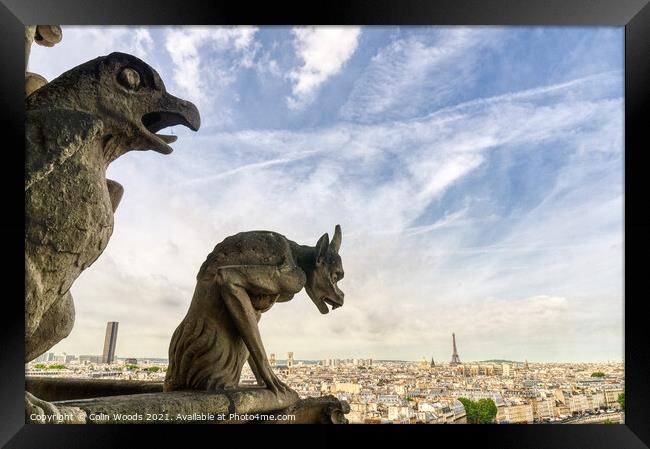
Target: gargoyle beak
<point>335,303</point>
<point>322,307</point>
<point>170,111</point>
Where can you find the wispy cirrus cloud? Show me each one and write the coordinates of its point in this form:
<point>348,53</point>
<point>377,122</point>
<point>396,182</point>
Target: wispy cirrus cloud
<point>205,61</point>
<point>323,51</point>
<point>418,71</point>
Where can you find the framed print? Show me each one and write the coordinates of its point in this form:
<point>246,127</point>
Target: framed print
<point>399,214</point>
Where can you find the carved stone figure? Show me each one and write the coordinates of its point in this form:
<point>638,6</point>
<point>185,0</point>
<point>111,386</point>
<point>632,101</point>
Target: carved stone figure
<point>47,36</point>
<point>243,277</point>
<point>76,126</point>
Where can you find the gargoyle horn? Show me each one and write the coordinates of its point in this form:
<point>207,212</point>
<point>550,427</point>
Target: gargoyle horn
<point>321,247</point>
<point>335,244</point>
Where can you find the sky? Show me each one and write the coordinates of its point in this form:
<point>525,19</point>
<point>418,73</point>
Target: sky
<point>476,173</point>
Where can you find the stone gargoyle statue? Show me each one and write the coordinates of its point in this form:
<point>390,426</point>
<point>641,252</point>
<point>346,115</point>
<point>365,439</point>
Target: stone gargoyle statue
<point>242,278</point>
<point>76,125</point>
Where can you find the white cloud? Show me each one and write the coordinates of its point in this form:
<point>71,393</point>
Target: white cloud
<point>417,72</point>
<point>200,72</point>
<point>323,52</point>
<point>143,42</point>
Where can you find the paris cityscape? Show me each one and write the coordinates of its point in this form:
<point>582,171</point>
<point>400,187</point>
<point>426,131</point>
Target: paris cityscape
<point>401,391</point>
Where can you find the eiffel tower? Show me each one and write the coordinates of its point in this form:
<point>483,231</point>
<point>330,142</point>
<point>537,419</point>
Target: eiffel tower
<point>455,360</point>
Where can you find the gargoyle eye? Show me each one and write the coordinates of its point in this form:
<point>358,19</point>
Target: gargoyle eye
<point>129,78</point>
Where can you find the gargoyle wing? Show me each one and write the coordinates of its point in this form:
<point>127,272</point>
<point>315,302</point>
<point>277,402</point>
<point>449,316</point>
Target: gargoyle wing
<point>52,136</point>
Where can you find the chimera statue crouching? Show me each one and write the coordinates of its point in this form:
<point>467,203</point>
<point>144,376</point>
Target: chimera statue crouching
<point>241,279</point>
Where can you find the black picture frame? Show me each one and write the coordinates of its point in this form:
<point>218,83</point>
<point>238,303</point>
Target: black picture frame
<point>634,15</point>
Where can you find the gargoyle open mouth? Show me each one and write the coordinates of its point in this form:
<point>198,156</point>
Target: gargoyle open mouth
<point>157,120</point>
<point>335,304</point>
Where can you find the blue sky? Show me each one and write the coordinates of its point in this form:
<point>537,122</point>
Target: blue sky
<point>476,173</point>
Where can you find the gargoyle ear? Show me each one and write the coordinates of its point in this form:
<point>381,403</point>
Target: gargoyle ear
<point>321,248</point>
<point>335,244</point>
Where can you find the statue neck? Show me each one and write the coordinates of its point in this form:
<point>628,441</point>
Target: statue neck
<point>305,256</point>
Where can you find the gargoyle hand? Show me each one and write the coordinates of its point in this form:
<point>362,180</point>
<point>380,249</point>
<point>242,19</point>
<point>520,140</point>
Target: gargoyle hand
<point>282,391</point>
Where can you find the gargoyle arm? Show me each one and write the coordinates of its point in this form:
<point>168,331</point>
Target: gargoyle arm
<point>233,285</point>
<point>256,371</point>
<point>251,360</point>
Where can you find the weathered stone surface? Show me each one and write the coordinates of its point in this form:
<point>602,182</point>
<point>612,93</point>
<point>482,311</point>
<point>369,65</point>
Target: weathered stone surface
<point>38,411</point>
<point>33,81</point>
<point>321,410</point>
<point>76,126</point>
<point>30,30</point>
<point>243,277</point>
<point>64,388</point>
<point>46,35</point>
<point>177,406</point>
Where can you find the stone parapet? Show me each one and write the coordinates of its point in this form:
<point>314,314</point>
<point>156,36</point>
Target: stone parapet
<point>102,401</point>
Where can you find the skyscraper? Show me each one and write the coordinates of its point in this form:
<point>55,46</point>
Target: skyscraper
<point>109,342</point>
<point>455,360</point>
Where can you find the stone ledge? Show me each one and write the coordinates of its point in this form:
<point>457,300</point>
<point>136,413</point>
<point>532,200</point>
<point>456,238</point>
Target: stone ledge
<point>67,388</point>
<point>320,410</point>
<point>238,406</point>
<point>176,406</point>
<point>109,401</point>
